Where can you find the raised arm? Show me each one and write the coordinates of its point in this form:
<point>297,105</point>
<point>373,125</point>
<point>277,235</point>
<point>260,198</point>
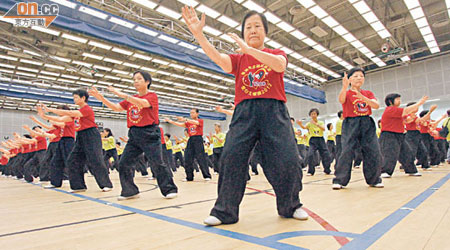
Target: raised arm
<point>179,124</point>
<point>434,124</point>
<point>114,106</point>
<point>427,116</point>
<point>412,108</point>
<point>34,119</point>
<point>45,134</point>
<point>196,27</point>
<point>300,123</point>
<point>373,103</point>
<point>343,93</point>
<point>225,111</point>
<point>62,112</point>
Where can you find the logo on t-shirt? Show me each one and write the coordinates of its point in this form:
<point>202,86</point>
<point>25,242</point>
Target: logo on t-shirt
<point>134,114</point>
<point>360,107</point>
<point>77,124</point>
<point>255,80</point>
<point>193,129</point>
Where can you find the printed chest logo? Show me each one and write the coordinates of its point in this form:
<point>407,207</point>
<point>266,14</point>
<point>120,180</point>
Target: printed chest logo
<point>77,123</point>
<point>360,107</point>
<point>134,114</point>
<point>193,129</point>
<point>255,80</point>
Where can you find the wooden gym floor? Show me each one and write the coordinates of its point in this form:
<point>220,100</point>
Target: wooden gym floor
<point>409,213</point>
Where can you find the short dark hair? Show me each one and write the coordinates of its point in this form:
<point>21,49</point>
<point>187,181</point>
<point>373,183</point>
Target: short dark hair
<point>313,110</point>
<point>292,119</point>
<point>410,104</point>
<point>390,98</point>
<point>146,76</point>
<point>81,93</point>
<point>448,112</point>
<point>37,127</point>
<point>340,113</point>
<point>423,113</point>
<point>168,135</point>
<point>196,110</point>
<point>28,136</point>
<point>186,130</point>
<point>354,70</point>
<point>252,13</point>
<point>109,132</point>
<point>118,143</point>
<point>329,126</point>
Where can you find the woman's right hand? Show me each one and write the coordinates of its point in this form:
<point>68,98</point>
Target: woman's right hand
<point>194,24</point>
<point>345,81</point>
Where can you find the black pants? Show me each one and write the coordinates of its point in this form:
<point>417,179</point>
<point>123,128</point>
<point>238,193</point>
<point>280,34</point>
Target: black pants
<point>31,167</point>
<point>393,147</point>
<point>318,144</point>
<point>88,150</point>
<point>338,149</point>
<point>431,150</point>
<point>107,155</point>
<point>179,160</point>
<point>18,166</point>
<point>414,140</point>
<point>44,171</point>
<point>303,152</point>
<point>217,152</point>
<point>331,149</point>
<point>148,140</point>
<point>141,165</point>
<point>255,158</point>
<point>442,150</point>
<point>60,161</point>
<point>168,158</point>
<point>254,120</point>
<point>195,150</point>
<point>357,155</point>
<point>359,129</point>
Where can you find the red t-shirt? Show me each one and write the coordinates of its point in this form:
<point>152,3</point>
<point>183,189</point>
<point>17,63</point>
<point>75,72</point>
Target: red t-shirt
<point>41,143</point>
<point>56,131</point>
<point>255,79</point>
<point>412,126</point>
<point>438,137</point>
<point>28,148</point>
<point>392,120</point>
<point>425,127</point>
<point>87,120</point>
<point>194,129</point>
<point>69,129</point>
<point>141,117</point>
<point>354,107</point>
<point>3,161</point>
<point>163,140</point>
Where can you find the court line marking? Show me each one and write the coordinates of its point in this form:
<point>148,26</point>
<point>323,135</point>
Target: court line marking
<point>213,230</point>
<point>374,233</point>
<point>287,235</point>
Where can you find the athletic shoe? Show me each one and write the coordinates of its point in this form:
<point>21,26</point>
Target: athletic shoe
<point>252,174</point>
<point>427,169</point>
<point>356,167</point>
<point>215,173</point>
<point>151,178</point>
<point>415,174</point>
<point>378,185</point>
<point>122,198</point>
<point>49,186</point>
<point>15,178</point>
<point>106,189</point>
<point>77,190</point>
<point>212,221</point>
<point>207,179</point>
<point>171,196</point>
<point>337,186</point>
<point>308,174</point>
<point>385,175</point>
<point>300,214</point>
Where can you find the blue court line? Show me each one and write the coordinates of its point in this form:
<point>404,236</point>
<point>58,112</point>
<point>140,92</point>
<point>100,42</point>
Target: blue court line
<point>287,235</point>
<point>230,234</point>
<point>374,233</point>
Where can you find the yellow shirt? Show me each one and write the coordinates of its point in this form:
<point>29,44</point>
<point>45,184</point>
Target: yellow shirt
<point>447,121</point>
<point>216,142</point>
<point>119,150</point>
<point>109,143</point>
<point>208,150</point>
<point>378,132</point>
<point>331,136</point>
<point>176,148</point>
<point>339,127</point>
<point>314,130</point>
<point>308,136</point>
<point>168,144</point>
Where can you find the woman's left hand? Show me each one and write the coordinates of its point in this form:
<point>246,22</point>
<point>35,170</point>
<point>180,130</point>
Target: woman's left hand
<point>243,47</point>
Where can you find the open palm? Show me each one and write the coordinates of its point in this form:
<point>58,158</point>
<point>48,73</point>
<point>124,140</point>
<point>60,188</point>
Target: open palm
<point>194,24</point>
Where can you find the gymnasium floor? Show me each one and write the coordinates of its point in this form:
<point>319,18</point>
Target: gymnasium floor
<point>409,213</point>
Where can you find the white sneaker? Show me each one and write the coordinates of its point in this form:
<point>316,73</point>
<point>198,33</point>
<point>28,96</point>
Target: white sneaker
<point>151,178</point>
<point>337,186</point>
<point>15,178</point>
<point>184,180</point>
<point>300,214</point>
<point>215,173</point>
<point>252,174</point>
<point>356,167</point>
<point>66,182</point>
<point>415,174</point>
<point>77,191</point>
<point>308,174</point>
<point>378,185</point>
<point>385,175</point>
<point>49,186</point>
<point>207,179</point>
<point>171,196</point>
<point>106,189</point>
<point>122,198</point>
<point>212,221</point>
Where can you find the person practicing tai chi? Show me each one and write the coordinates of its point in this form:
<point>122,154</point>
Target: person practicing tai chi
<point>260,107</point>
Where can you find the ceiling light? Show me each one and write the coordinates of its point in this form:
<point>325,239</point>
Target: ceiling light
<point>45,30</point>
<point>121,22</point>
<point>285,26</point>
<point>411,4</point>
<point>228,21</point>
<point>187,45</point>
<point>146,31</point>
<point>274,44</point>
<point>146,3</point>
<point>318,12</point>
<point>168,39</point>
<point>362,7</point>
<point>208,11</point>
<point>330,21</point>
<point>370,17</point>
<point>131,65</point>
<point>271,17</point>
<point>92,56</point>
<point>106,59</point>
<point>11,58</point>
<point>192,3</point>
<point>161,61</point>
<point>307,3</point>
<point>94,13</point>
<point>65,3</point>
<point>143,57</point>
<point>102,68</point>
<point>31,62</point>
<point>309,41</point>
<point>253,6</point>
<point>168,12</point>
<point>100,45</point>
<point>54,66</point>
<point>74,38</point>
<point>122,51</point>
<point>211,30</point>
<point>340,30</point>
